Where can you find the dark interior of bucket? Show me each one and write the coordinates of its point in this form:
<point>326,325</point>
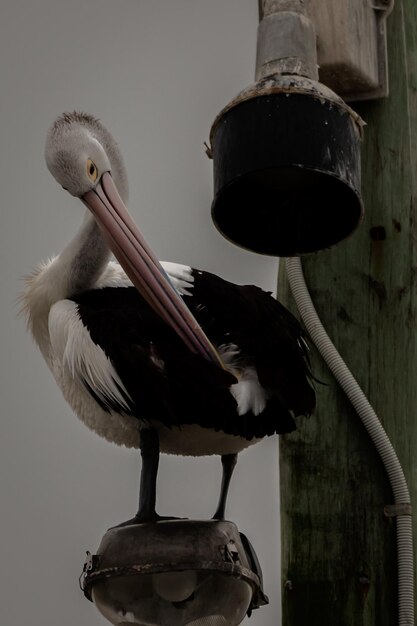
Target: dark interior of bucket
<point>286,211</point>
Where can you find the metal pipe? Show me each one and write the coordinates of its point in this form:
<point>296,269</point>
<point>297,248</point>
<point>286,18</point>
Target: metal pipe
<point>266,7</point>
<point>286,40</point>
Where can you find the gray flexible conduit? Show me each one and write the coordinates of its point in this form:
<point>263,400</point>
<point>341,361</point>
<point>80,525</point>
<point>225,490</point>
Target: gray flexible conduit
<point>376,431</point>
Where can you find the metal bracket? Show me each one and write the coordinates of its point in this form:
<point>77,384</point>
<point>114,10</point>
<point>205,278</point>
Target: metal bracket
<point>90,564</point>
<point>383,5</point>
<point>231,552</point>
<point>394,510</point>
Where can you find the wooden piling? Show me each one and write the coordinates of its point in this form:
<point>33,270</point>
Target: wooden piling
<point>338,548</point>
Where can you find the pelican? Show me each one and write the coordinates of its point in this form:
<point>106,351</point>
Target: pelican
<point>162,357</point>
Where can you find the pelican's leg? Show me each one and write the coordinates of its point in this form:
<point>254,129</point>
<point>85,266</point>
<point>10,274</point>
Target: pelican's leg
<point>229,463</point>
<point>149,449</point>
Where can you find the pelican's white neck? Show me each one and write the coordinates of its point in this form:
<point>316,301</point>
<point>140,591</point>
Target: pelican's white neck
<point>75,270</point>
<point>83,260</point>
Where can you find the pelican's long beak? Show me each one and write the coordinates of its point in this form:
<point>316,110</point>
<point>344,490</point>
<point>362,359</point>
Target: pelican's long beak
<point>142,266</point>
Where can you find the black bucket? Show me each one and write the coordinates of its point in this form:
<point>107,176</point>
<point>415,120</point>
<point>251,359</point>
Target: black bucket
<point>286,173</point>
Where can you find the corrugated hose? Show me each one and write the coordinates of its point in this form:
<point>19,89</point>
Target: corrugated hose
<point>402,507</point>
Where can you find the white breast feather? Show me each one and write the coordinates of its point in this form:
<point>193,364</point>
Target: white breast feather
<point>81,358</point>
<point>248,392</point>
<point>181,277</point>
<point>113,276</point>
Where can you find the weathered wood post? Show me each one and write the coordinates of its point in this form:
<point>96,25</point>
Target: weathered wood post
<point>338,548</point>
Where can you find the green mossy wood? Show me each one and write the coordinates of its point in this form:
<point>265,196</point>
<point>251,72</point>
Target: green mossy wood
<point>338,549</point>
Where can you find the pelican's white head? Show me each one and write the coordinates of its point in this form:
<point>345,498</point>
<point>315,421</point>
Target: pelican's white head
<point>85,159</point>
<point>79,150</point>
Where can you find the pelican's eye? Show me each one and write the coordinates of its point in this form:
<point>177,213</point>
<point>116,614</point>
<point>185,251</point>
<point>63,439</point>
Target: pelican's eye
<point>92,171</point>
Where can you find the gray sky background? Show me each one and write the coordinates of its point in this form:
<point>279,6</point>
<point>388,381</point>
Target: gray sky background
<point>157,74</point>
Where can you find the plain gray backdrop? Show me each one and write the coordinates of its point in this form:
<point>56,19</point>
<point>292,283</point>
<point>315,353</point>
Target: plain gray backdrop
<point>156,73</point>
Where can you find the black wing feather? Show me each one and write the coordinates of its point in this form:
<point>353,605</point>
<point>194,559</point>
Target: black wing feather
<point>169,383</point>
<point>268,335</point>
<point>185,390</point>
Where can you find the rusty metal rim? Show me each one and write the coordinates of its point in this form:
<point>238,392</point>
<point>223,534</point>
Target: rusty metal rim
<point>233,569</point>
<point>126,570</point>
<point>288,84</point>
